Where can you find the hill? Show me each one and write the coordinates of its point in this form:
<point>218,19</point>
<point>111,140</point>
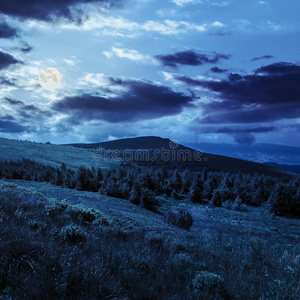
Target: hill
<point>196,160</point>
<point>260,152</point>
<point>144,151</point>
<point>291,168</point>
<point>144,142</point>
<point>53,155</point>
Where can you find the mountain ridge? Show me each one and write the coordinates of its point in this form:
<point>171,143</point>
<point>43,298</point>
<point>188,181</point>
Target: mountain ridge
<point>211,161</point>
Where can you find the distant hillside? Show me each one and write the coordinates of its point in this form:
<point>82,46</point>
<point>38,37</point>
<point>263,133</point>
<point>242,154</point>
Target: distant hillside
<point>262,153</point>
<point>291,168</point>
<point>210,161</point>
<point>145,142</point>
<point>53,155</point>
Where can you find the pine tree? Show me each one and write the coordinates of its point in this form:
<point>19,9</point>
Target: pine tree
<point>59,178</point>
<point>135,196</point>
<point>80,178</point>
<point>217,198</point>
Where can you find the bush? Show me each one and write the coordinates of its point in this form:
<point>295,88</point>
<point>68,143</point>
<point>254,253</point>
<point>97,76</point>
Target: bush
<point>72,234</point>
<point>217,198</point>
<point>235,205</point>
<point>196,195</point>
<point>285,200</point>
<point>148,200</point>
<point>209,282</point>
<point>85,215</point>
<point>182,219</point>
<point>135,196</point>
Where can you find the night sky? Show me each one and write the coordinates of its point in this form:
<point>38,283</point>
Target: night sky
<point>221,71</point>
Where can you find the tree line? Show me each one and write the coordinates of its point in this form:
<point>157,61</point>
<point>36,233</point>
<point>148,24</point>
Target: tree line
<point>142,186</point>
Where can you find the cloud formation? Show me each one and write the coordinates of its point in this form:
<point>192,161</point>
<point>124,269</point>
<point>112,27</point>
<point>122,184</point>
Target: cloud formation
<point>190,58</point>
<point>48,10</point>
<point>262,57</point>
<point>26,47</point>
<point>245,138</point>
<point>272,93</point>
<point>239,130</point>
<point>136,100</point>
<point>6,60</point>
<point>6,31</point>
<point>10,126</point>
<point>218,70</point>
<point>127,53</point>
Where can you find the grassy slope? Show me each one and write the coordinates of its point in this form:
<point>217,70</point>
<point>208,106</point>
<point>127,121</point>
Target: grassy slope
<point>255,254</point>
<point>257,222</point>
<point>53,155</point>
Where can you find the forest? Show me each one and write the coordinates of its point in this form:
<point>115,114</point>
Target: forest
<point>143,185</point>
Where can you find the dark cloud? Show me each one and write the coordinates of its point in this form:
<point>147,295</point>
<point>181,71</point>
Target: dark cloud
<point>6,60</point>
<point>190,58</point>
<point>246,138</point>
<point>13,101</point>
<point>218,70</point>
<point>5,81</point>
<point>26,47</point>
<point>9,126</point>
<point>6,31</point>
<point>262,57</point>
<point>221,114</point>
<point>280,68</point>
<point>48,9</point>
<point>271,93</point>
<point>7,118</point>
<point>141,101</point>
<point>25,112</point>
<point>246,130</point>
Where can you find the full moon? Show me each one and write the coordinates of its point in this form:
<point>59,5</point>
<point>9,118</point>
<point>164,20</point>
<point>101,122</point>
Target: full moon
<point>50,79</point>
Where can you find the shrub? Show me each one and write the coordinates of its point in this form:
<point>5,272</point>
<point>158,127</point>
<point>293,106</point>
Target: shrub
<point>72,234</point>
<point>209,282</point>
<point>285,200</point>
<point>86,215</point>
<point>236,205</point>
<point>82,213</point>
<point>148,200</point>
<point>135,197</point>
<point>182,219</point>
<point>196,195</point>
<point>217,198</point>
<point>55,209</point>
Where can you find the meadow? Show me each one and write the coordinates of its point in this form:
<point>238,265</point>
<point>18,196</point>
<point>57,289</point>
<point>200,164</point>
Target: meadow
<point>58,243</point>
<point>71,231</point>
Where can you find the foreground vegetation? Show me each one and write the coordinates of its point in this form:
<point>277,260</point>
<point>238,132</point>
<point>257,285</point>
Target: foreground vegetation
<point>142,186</point>
<point>51,249</point>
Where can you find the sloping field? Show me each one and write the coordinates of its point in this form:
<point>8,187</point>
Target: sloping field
<point>53,155</point>
<point>73,244</point>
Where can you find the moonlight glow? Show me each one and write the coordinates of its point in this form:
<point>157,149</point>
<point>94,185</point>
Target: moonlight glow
<point>50,79</point>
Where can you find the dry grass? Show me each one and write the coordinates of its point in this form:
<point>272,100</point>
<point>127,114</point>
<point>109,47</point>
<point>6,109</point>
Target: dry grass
<point>53,155</point>
<point>98,247</point>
